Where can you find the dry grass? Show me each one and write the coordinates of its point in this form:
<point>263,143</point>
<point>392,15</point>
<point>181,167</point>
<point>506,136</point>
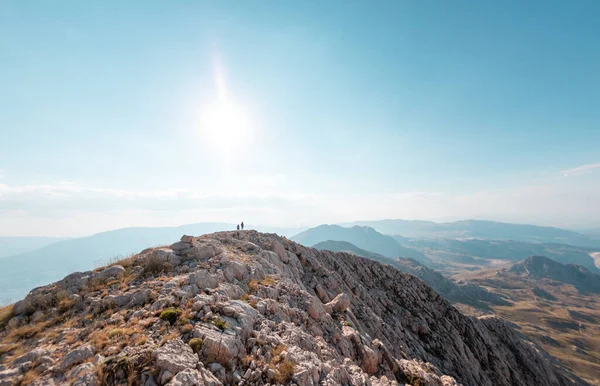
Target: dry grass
<point>254,284</point>
<point>170,336</point>
<point>154,266</point>
<point>284,372</point>
<point>99,339</point>
<point>267,281</point>
<point>125,262</point>
<point>187,328</point>
<point>9,348</point>
<point>29,377</point>
<point>279,349</point>
<point>27,331</point>
<point>6,313</point>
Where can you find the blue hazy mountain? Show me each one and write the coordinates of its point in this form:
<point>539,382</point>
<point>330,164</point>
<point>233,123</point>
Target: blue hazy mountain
<point>478,229</point>
<point>363,237</point>
<point>10,246</point>
<point>450,251</point>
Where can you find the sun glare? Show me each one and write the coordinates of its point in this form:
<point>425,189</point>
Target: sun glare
<point>225,125</point>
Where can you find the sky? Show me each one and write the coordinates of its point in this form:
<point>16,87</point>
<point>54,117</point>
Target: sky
<point>156,113</point>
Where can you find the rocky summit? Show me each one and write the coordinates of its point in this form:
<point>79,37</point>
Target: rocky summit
<point>249,308</point>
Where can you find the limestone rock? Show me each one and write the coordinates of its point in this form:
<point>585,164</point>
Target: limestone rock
<point>76,356</point>
<point>175,356</point>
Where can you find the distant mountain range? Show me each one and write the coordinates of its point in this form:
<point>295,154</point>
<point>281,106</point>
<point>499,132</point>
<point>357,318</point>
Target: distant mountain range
<point>479,229</point>
<point>478,253</point>
<point>361,236</point>
<point>35,261</point>
<point>10,246</point>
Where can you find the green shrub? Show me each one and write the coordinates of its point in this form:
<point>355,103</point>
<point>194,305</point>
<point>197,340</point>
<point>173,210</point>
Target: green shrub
<point>220,323</point>
<point>170,315</point>
<point>196,344</point>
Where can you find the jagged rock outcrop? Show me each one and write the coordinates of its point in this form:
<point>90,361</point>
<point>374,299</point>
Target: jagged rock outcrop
<point>251,308</point>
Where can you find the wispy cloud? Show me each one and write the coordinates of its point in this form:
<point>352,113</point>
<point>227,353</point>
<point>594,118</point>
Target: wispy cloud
<point>579,170</point>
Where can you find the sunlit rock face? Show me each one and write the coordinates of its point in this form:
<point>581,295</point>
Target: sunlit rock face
<point>251,308</point>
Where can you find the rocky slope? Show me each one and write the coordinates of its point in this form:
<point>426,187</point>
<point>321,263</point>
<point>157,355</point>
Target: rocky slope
<point>251,308</point>
<point>463,292</point>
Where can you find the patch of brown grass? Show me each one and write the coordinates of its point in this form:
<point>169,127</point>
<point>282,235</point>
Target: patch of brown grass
<point>279,349</point>
<point>253,285</point>
<point>9,348</point>
<point>267,281</point>
<point>27,331</point>
<point>170,336</point>
<point>285,371</point>
<point>187,328</point>
<point>29,377</point>
<point>99,339</point>
<point>6,313</point>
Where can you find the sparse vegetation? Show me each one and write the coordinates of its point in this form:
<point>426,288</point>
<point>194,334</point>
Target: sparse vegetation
<point>155,265</point>
<point>196,344</point>
<point>220,323</point>
<point>170,315</point>
<point>278,350</point>
<point>187,328</point>
<point>170,336</point>
<point>267,281</point>
<point>6,313</point>
<point>285,371</point>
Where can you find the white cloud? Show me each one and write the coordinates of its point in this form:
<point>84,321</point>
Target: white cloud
<point>69,209</point>
<point>579,170</point>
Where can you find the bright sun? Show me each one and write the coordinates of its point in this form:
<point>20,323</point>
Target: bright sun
<point>225,126</point>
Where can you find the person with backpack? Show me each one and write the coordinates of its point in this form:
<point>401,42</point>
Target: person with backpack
<point>238,227</point>
<point>242,225</point>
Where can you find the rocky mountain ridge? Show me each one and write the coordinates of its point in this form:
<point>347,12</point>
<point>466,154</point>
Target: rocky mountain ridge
<point>461,292</point>
<point>250,308</point>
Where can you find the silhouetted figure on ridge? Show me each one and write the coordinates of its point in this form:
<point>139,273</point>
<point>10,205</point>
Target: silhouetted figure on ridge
<point>238,227</point>
<point>242,225</point>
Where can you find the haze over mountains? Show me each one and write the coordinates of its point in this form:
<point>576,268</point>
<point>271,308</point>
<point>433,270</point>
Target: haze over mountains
<point>253,308</point>
<point>361,236</point>
<point>479,274</point>
<point>10,246</point>
<point>21,272</point>
<point>479,229</point>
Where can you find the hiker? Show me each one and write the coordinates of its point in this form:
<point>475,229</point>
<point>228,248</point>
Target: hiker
<point>238,227</point>
<point>242,225</point>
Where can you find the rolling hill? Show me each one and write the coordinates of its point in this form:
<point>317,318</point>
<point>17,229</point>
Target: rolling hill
<point>556,306</point>
<point>10,246</point>
<point>478,229</point>
<point>363,237</point>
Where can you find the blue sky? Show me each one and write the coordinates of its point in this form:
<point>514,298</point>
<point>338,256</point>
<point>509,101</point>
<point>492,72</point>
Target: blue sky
<point>286,113</point>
